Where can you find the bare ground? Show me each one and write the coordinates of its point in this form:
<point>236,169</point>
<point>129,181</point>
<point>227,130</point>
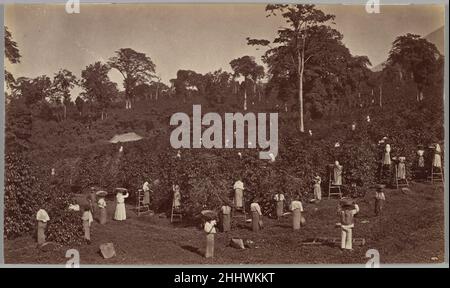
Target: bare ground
<point>411,230</point>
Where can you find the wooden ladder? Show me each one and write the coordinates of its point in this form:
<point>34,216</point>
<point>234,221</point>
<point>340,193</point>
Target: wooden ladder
<point>332,187</point>
<point>398,181</point>
<point>241,213</point>
<point>436,176</point>
<point>175,215</point>
<point>141,208</point>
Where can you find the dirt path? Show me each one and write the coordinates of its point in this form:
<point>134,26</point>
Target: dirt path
<point>410,231</point>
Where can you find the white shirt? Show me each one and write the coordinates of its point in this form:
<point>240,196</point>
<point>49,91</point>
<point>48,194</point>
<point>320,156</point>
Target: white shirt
<point>101,203</point>
<point>254,207</point>
<point>87,216</point>
<point>210,227</point>
<point>238,185</point>
<point>121,198</point>
<point>42,216</point>
<point>296,205</point>
<point>146,187</point>
<point>226,210</point>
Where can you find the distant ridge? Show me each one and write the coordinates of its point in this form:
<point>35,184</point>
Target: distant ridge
<point>436,37</point>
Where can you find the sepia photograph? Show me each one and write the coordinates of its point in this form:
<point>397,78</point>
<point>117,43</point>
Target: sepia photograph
<point>225,134</point>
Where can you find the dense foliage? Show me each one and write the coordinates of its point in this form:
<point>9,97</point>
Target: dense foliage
<point>45,129</point>
<point>27,190</point>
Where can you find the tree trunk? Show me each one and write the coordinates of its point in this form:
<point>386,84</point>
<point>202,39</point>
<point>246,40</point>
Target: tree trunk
<point>245,99</point>
<point>300,90</point>
<point>65,111</point>
<point>156,96</point>
<point>245,93</point>
<point>381,96</point>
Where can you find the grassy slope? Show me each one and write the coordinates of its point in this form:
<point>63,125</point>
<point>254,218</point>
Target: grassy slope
<point>410,231</point>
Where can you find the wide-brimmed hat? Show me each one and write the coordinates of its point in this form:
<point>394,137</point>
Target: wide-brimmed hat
<point>347,203</point>
<point>121,190</point>
<point>101,193</point>
<point>209,214</point>
<point>317,177</point>
<point>380,187</point>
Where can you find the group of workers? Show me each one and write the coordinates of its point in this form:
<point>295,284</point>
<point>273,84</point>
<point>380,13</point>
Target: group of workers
<point>347,208</point>
<point>93,203</point>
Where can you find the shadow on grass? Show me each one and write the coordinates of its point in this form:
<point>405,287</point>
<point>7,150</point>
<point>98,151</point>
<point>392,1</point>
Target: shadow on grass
<point>243,226</point>
<point>192,249</point>
<point>281,225</point>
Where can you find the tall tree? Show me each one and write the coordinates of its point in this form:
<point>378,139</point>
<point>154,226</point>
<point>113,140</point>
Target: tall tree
<point>98,88</point>
<point>135,67</point>
<point>247,67</point>
<point>79,103</point>
<point>13,56</point>
<point>11,49</point>
<point>418,57</point>
<point>32,90</point>
<point>63,82</point>
<point>306,36</point>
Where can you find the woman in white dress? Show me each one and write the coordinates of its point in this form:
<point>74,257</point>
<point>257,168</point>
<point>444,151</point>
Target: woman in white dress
<point>120,213</point>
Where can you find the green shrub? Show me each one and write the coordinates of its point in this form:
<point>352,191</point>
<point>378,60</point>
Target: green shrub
<point>28,189</point>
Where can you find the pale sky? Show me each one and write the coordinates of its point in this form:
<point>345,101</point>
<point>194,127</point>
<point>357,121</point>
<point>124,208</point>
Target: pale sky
<point>202,37</point>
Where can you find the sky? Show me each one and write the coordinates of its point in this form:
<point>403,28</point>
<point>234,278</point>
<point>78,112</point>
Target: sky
<point>199,37</point>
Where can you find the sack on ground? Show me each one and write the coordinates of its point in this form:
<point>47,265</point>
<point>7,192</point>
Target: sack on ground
<point>237,243</point>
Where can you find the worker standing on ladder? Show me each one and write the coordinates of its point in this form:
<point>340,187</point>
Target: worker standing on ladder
<point>176,196</point>
<point>401,170</point>
<point>337,174</point>
<point>437,163</point>
<point>146,189</point>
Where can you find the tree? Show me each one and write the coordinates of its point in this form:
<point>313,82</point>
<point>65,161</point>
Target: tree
<point>217,85</point>
<point>32,91</point>
<point>98,88</point>
<point>18,125</point>
<point>79,103</point>
<point>187,83</point>
<point>416,56</point>
<point>11,49</point>
<point>13,56</point>
<point>63,82</point>
<point>247,67</point>
<point>307,36</point>
<point>358,73</point>
<point>135,67</point>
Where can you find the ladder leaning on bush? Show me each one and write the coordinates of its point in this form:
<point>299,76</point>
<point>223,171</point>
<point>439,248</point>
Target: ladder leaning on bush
<point>141,207</point>
<point>399,181</point>
<point>333,187</point>
<point>175,214</point>
<point>436,176</point>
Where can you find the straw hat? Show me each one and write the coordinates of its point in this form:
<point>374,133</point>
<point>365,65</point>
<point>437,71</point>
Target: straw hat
<point>380,187</point>
<point>347,203</point>
<point>209,214</point>
<point>101,193</point>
